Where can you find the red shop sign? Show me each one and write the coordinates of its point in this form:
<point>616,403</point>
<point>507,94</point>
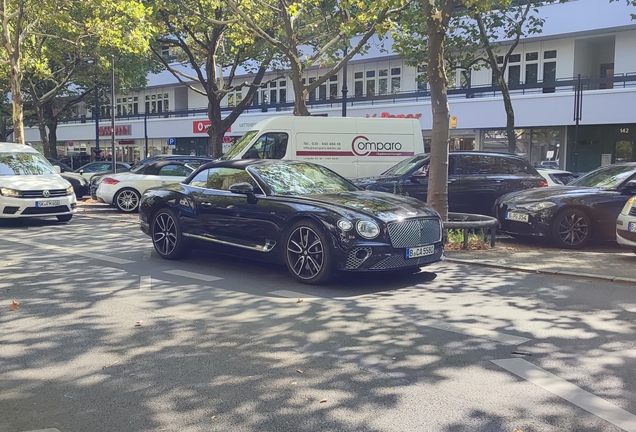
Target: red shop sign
<point>201,126</point>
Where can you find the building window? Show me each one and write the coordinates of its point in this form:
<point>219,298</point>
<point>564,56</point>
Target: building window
<point>420,78</point>
<point>550,54</point>
<point>532,68</point>
<point>282,91</point>
<point>514,70</point>
<point>370,83</point>
<point>396,79</point>
<point>549,70</point>
<point>383,81</point>
<point>312,94</point>
<point>358,84</point>
<point>233,98</point>
<point>333,87</point>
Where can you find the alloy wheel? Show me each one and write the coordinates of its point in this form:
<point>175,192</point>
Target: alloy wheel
<point>164,234</point>
<point>573,229</point>
<point>305,252</point>
<point>127,200</point>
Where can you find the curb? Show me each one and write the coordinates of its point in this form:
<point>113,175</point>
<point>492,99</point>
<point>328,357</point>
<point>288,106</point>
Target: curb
<point>545,272</point>
<point>110,218</point>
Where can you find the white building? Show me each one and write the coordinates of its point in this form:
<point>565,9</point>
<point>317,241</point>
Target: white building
<point>593,38</point>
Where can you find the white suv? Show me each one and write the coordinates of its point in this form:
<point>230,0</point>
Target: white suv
<point>31,187</point>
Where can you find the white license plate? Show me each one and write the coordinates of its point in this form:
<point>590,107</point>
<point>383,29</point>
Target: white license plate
<point>47,203</point>
<point>420,251</point>
<point>631,227</point>
<point>519,217</point>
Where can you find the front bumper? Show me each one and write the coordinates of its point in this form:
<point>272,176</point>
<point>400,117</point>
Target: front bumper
<point>538,224</point>
<point>623,236</point>
<point>382,257</point>
<point>12,208</point>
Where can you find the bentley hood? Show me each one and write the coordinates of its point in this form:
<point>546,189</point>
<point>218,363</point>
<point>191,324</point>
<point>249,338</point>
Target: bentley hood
<point>381,205</point>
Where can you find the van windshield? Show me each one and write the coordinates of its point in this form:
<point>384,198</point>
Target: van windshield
<point>24,164</point>
<point>240,145</point>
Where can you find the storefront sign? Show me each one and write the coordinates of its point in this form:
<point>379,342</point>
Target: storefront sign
<point>119,130</point>
<point>126,142</point>
<point>201,126</point>
<point>387,115</point>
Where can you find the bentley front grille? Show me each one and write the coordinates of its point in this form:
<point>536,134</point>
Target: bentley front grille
<point>399,261</point>
<point>415,232</point>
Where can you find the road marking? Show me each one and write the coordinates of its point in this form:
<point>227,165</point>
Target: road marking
<point>571,393</point>
<point>63,251</point>
<point>476,332</point>
<point>192,275</point>
<point>145,283</point>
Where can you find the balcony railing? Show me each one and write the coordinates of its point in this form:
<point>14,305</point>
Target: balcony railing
<point>559,86</point>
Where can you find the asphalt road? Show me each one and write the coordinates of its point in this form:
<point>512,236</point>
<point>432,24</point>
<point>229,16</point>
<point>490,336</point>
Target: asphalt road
<point>225,345</point>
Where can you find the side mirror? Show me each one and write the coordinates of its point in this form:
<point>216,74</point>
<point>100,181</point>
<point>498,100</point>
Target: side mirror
<point>242,188</point>
<point>57,169</point>
<point>81,171</point>
<point>630,187</point>
<point>415,179</point>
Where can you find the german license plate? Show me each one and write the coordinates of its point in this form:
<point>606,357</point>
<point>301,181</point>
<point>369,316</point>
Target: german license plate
<point>47,203</point>
<point>631,227</point>
<point>421,251</point>
<point>519,217</point>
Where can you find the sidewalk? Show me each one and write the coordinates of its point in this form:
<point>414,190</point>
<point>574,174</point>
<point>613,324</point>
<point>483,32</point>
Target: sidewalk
<point>602,261</point>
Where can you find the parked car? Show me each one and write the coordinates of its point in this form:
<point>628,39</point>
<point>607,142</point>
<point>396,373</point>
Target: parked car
<point>574,214</point>
<point>556,177</point>
<point>79,183</point>
<point>124,190</point>
<point>31,187</point>
<point>192,161</point>
<point>306,215</point>
<point>101,167</point>
<point>626,225</point>
<point>475,179</point>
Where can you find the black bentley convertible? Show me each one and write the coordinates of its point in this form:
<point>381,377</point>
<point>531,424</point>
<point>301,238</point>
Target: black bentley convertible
<point>299,213</point>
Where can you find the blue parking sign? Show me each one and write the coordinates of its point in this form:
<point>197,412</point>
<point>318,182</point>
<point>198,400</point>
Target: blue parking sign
<point>172,142</point>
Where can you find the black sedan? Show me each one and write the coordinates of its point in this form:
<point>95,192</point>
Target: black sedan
<point>475,179</point>
<point>302,214</point>
<point>571,215</point>
<point>79,183</point>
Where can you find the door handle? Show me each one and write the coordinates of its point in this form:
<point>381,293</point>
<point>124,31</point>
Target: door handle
<point>206,204</point>
<point>452,180</point>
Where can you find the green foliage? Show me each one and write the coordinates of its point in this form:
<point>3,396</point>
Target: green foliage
<point>629,3</point>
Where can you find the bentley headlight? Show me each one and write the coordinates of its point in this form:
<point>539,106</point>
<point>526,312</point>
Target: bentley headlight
<point>345,225</point>
<point>538,206</point>
<point>368,229</point>
<point>10,192</point>
<point>628,206</point>
<point>69,190</point>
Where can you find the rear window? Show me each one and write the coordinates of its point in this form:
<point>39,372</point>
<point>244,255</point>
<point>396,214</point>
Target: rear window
<point>562,178</point>
<point>514,166</point>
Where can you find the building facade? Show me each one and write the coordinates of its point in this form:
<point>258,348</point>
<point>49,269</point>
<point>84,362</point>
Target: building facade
<point>543,75</point>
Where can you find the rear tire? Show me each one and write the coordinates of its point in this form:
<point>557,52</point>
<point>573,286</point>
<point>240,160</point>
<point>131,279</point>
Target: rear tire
<point>127,200</point>
<point>166,234</point>
<point>308,253</point>
<point>64,218</point>
<point>571,229</point>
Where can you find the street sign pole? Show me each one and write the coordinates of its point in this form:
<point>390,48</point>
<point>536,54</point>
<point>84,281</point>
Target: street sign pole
<point>112,112</point>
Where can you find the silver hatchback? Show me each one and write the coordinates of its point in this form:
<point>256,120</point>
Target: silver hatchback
<point>626,225</point>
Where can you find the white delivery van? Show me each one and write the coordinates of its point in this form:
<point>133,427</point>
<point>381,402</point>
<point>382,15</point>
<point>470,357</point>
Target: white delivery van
<point>351,146</point>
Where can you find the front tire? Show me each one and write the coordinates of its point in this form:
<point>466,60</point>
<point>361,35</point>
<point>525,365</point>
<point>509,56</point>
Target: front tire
<point>571,229</point>
<point>127,200</point>
<point>166,234</point>
<point>64,218</point>
<point>308,253</point>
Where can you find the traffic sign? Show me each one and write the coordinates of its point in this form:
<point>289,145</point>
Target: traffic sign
<point>172,142</point>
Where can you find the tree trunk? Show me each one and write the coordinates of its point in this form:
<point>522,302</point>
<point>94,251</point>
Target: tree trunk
<point>216,130</point>
<point>510,115</point>
<point>300,92</point>
<point>17,101</point>
<point>51,124</point>
<point>438,168</point>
